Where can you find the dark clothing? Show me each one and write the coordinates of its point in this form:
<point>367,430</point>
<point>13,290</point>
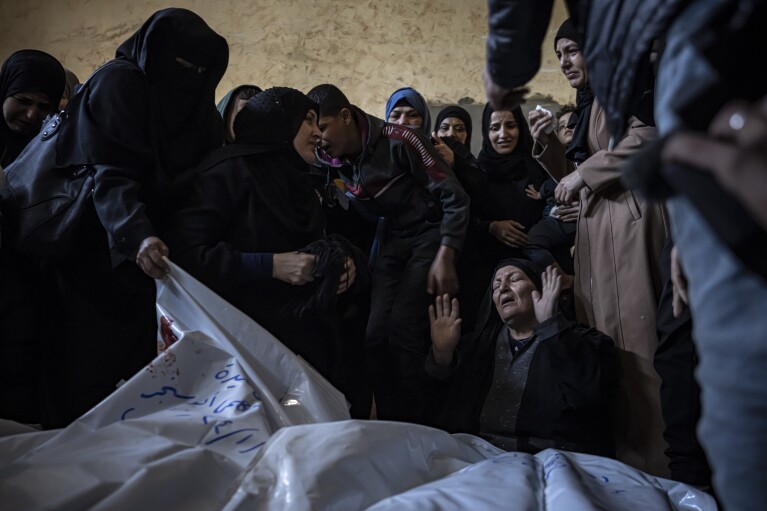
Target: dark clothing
<point>550,241</point>
<point>139,121</point>
<point>554,391</point>
<point>675,361</point>
<point>101,328</point>
<point>20,332</point>
<point>503,196</point>
<point>397,333</point>
<point>340,216</point>
<point>400,177</point>
<point>458,113</point>
<point>224,221</point>
<point>254,198</point>
<point>229,100</point>
<point>27,71</point>
<point>515,36</point>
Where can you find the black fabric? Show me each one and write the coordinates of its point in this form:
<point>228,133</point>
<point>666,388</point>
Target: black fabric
<point>256,196</point>
<point>675,361</point>
<point>568,389</point>
<point>459,113</point>
<point>27,71</point>
<point>568,30</point>
<point>532,270</point>
<point>397,339</point>
<point>509,167</point>
<point>100,328</point>
<point>578,148</point>
<point>138,122</point>
<point>504,196</point>
<point>271,118</point>
<point>329,267</point>
<point>616,48</point>
<point>269,122</point>
<point>551,241</point>
<point>166,111</point>
<point>227,102</point>
<point>515,35</point>
<point>46,209</point>
<point>399,175</point>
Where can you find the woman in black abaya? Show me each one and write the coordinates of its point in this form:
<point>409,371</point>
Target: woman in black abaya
<point>140,122</point>
<point>31,82</point>
<point>249,212</point>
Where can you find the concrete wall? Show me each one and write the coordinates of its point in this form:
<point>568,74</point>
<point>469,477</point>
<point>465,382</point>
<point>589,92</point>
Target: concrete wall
<point>368,48</point>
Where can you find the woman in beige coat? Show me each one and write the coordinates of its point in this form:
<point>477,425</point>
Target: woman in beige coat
<point>617,255</point>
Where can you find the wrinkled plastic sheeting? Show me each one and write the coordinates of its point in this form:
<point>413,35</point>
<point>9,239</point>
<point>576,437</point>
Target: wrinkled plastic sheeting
<point>228,418</point>
<point>193,420</point>
<point>397,466</point>
<point>352,464</point>
<point>552,480</point>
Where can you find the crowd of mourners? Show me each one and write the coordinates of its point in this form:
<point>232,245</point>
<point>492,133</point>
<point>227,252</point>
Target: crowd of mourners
<point>521,291</point>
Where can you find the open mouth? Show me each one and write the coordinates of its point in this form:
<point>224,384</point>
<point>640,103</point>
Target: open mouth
<point>508,300</point>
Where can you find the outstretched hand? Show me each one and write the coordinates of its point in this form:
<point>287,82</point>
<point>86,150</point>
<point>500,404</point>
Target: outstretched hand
<point>546,302</point>
<point>445,328</point>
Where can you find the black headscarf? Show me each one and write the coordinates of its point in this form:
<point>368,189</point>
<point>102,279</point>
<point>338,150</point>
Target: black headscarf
<point>476,354</point>
<point>264,132</point>
<point>517,165</point>
<point>578,148</point>
<point>147,88</point>
<point>459,113</point>
<point>27,71</point>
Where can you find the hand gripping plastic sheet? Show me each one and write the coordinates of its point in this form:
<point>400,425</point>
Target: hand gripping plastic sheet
<point>228,418</point>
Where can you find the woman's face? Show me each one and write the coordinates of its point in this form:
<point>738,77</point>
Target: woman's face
<point>513,294</point>
<point>453,127</point>
<point>24,112</point>
<point>405,116</point>
<point>308,137</point>
<point>571,63</point>
<point>503,132</point>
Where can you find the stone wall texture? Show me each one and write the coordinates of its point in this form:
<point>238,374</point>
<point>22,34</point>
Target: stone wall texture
<point>367,48</point>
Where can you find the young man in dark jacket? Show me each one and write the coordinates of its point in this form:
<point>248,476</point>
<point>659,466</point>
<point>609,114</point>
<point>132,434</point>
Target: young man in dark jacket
<point>394,172</point>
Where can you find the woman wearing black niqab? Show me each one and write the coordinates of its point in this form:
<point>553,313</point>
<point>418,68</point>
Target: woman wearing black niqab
<point>140,121</point>
<point>249,211</point>
<point>31,83</point>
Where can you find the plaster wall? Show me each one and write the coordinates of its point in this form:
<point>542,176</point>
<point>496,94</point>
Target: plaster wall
<point>368,48</point>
